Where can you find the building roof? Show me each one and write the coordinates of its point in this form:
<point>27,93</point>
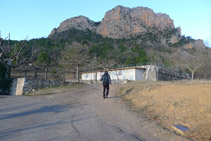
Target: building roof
<point>126,68</point>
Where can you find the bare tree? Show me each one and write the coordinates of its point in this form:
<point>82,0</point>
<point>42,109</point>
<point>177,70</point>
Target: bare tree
<point>203,71</point>
<point>15,55</point>
<point>174,59</point>
<point>75,57</point>
<point>33,61</point>
<point>192,63</point>
<point>187,60</point>
<point>23,68</point>
<point>107,64</point>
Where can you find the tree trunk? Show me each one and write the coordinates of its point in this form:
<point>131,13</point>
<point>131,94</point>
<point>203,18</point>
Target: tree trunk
<point>192,75</point>
<point>77,72</point>
<point>96,77</point>
<point>46,73</point>
<point>74,75</point>
<point>63,77</point>
<point>35,73</point>
<point>9,72</point>
<point>25,72</point>
<point>205,75</point>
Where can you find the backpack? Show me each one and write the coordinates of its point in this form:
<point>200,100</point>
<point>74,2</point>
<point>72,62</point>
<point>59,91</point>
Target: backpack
<point>105,79</point>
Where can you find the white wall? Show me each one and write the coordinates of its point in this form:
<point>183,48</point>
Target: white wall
<point>99,75</point>
<point>128,74</point>
<point>139,74</point>
<point>88,76</point>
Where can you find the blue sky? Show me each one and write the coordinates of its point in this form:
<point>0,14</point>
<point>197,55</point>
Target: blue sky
<point>36,18</point>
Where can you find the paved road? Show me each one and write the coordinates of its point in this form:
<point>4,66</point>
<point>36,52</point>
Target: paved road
<point>77,115</point>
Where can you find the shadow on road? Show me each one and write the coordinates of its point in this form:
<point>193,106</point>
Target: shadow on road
<point>44,109</point>
<point>31,128</point>
<point>14,108</point>
<point>4,96</point>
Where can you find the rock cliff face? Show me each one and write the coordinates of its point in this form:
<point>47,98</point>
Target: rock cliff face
<point>80,23</point>
<point>195,44</point>
<point>122,22</point>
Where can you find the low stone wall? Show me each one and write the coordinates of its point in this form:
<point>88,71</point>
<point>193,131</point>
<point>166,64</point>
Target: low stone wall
<point>22,86</point>
<point>154,73</point>
<point>169,75</point>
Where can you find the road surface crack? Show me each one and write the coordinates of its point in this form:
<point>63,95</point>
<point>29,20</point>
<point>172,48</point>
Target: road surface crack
<point>72,123</point>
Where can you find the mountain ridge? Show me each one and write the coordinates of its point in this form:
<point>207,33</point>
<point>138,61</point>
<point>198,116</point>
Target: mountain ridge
<point>123,22</point>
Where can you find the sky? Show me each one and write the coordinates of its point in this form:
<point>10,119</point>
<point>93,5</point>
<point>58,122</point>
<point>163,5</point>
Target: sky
<point>37,18</point>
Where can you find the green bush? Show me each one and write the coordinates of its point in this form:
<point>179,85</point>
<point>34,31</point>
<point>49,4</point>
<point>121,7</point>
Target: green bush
<point>141,57</point>
<point>103,50</point>
<point>4,81</point>
<point>43,58</point>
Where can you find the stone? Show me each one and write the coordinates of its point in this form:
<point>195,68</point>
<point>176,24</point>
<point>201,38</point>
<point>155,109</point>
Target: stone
<point>180,128</point>
<point>20,86</point>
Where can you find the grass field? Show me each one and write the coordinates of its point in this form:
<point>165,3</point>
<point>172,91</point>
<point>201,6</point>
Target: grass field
<point>171,103</point>
<point>55,90</point>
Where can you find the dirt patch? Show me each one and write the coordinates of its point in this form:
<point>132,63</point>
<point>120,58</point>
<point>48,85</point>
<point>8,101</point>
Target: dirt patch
<point>183,103</point>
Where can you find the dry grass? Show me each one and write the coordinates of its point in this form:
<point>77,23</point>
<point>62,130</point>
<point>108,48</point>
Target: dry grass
<point>170,103</point>
<point>55,90</point>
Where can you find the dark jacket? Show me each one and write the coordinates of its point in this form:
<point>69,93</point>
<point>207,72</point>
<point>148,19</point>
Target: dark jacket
<point>109,79</point>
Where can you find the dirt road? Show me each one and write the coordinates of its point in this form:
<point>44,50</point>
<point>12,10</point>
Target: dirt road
<point>77,115</point>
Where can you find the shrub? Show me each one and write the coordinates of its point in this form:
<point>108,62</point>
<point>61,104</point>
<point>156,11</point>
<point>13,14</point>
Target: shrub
<point>4,81</point>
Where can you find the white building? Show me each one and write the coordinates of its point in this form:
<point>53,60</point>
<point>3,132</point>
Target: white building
<point>148,72</point>
<point>120,74</point>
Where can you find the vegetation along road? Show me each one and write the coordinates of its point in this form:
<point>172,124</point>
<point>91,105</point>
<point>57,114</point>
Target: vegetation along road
<point>80,114</point>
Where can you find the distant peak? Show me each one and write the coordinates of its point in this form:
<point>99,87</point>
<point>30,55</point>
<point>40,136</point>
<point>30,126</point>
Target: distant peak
<point>119,6</point>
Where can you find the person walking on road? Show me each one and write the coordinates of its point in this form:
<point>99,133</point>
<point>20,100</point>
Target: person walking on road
<point>106,81</point>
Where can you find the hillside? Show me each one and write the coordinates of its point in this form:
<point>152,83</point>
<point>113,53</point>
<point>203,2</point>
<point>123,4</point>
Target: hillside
<point>125,37</point>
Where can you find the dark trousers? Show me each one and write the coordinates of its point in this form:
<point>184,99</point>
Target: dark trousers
<point>105,90</point>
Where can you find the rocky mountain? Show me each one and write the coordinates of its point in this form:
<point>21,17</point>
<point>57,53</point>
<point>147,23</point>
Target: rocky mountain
<point>80,23</point>
<point>122,22</point>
